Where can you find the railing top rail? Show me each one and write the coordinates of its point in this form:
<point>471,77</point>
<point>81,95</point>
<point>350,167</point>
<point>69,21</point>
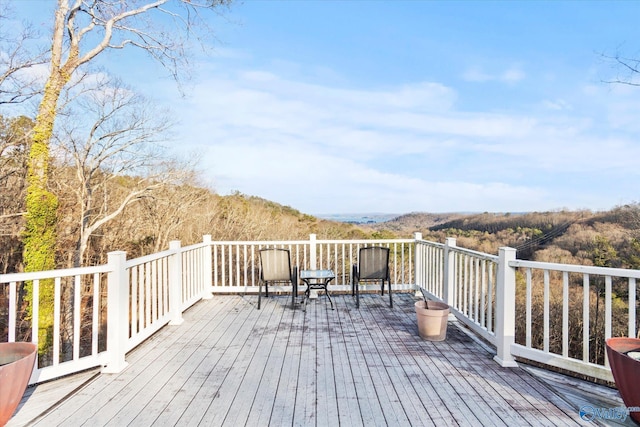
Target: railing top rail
<point>573,268</point>
<point>52,274</point>
<point>476,254</point>
<point>430,243</point>
<point>365,241</point>
<point>148,258</point>
<point>259,242</point>
<point>306,242</point>
<point>195,246</point>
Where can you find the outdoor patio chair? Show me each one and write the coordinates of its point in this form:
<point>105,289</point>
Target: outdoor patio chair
<point>373,265</point>
<point>276,268</point>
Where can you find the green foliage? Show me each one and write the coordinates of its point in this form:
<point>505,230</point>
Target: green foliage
<point>305,218</point>
<point>383,234</point>
<point>603,253</point>
<point>39,241</point>
<point>631,257</point>
<point>39,237</point>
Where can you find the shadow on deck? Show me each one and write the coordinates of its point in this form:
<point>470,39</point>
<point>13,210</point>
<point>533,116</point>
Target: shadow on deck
<point>230,364</point>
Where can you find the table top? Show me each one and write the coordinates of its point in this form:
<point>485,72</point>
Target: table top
<point>317,274</point>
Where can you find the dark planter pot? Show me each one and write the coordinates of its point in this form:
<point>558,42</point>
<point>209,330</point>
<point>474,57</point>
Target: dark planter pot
<point>16,364</point>
<point>626,371</point>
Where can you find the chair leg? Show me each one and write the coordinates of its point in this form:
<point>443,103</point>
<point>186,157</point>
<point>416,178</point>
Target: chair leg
<point>294,293</point>
<point>295,287</point>
<point>357,295</point>
<point>354,271</point>
<point>259,293</point>
<point>382,287</point>
<point>390,297</point>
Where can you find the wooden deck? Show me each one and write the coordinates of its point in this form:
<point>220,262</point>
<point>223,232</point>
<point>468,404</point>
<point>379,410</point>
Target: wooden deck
<point>230,364</point>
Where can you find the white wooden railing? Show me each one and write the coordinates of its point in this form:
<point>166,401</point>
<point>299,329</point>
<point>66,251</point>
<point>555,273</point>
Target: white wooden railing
<point>467,281</point>
<point>554,304</point>
<point>118,305</point>
<point>115,306</point>
<point>566,311</point>
<point>91,277</point>
<point>236,264</point>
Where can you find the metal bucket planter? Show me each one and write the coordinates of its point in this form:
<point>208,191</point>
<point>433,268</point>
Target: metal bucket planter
<point>16,364</point>
<point>432,320</point>
<point>624,354</point>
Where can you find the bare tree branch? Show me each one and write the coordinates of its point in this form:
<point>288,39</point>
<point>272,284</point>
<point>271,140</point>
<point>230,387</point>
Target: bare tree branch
<point>133,23</point>
<point>18,82</point>
<point>629,66</point>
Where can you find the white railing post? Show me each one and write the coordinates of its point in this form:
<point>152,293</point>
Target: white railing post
<point>418,273</point>
<point>449,288</point>
<point>175,283</point>
<point>117,312</point>
<point>312,252</point>
<point>207,268</point>
<point>505,308</point>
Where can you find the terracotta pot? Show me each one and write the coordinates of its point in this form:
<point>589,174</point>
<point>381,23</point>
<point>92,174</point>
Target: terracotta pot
<point>432,320</point>
<point>626,371</point>
<point>16,364</point>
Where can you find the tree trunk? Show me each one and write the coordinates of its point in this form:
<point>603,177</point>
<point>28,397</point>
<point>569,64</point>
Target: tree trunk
<point>41,218</point>
<point>42,205</point>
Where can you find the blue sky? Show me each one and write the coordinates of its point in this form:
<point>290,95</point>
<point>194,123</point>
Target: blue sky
<point>404,106</point>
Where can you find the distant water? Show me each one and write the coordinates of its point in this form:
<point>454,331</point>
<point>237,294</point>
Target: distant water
<point>368,218</point>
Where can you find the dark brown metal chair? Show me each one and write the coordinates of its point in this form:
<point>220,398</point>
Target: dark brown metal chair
<point>373,265</point>
<point>275,267</point>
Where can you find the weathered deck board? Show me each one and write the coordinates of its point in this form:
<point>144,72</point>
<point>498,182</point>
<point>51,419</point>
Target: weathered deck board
<point>327,401</point>
<point>263,401</point>
<point>365,392</point>
<point>143,407</point>
<point>377,358</point>
<point>341,332</point>
<point>231,364</point>
<point>391,334</point>
<point>283,400</point>
<point>203,388</point>
<point>264,335</point>
<point>418,367</point>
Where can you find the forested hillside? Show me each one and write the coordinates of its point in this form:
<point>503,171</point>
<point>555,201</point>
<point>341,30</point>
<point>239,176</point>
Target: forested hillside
<point>102,208</point>
<point>610,238</point>
<point>105,209</point>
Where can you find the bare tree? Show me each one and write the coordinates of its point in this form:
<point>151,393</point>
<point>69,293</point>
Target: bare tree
<point>110,136</point>
<point>15,136</point>
<point>82,30</point>
<point>169,210</point>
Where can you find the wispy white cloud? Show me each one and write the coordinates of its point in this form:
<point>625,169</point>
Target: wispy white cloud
<point>511,75</point>
<point>399,148</point>
<point>556,104</point>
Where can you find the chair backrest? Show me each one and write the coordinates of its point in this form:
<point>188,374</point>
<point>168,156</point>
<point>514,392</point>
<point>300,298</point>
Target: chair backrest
<point>276,264</point>
<point>373,263</point>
